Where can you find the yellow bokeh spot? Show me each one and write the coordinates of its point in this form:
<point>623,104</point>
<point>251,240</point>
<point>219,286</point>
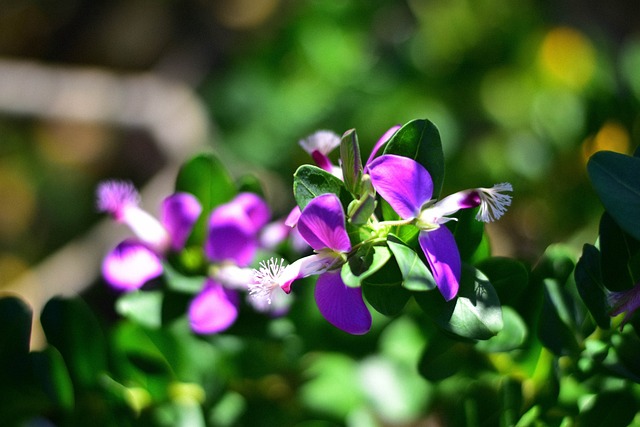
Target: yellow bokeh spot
<point>612,136</point>
<point>567,57</point>
<point>18,202</point>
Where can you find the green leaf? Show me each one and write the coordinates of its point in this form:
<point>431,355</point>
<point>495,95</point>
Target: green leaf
<point>72,328</point>
<point>416,275</point>
<point>474,314</point>
<point>250,184</point>
<point>205,177</point>
<point>588,277</point>
<point>420,140</point>
<point>608,408</point>
<point>310,181</point>
<point>616,179</point>
<point>511,337</point>
<point>351,162</point>
<point>616,249</point>
<point>366,261</point>
<point>383,290</point>
<point>509,277</point>
<point>445,357</point>
<point>143,307</point>
<point>15,318</point>
<point>557,327</point>
<point>49,370</point>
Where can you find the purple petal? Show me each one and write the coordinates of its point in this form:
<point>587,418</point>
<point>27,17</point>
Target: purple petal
<point>254,207</point>
<point>341,305</point>
<point>179,212</point>
<point>214,309</point>
<point>130,265</point>
<point>292,218</point>
<point>232,235</point>
<point>402,182</point>
<point>443,257</point>
<point>322,224</point>
<point>383,139</point>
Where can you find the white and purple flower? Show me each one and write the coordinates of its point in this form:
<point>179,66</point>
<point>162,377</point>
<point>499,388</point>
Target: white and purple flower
<point>407,186</point>
<point>322,225</point>
<point>135,261</point>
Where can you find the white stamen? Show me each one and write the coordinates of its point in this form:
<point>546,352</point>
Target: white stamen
<point>323,141</point>
<point>493,204</point>
<point>265,279</point>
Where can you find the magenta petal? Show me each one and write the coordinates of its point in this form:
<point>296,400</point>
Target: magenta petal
<point>130,265</point>
<point>341,305</point>
<point>254,207</point>
<point>232,235</point>
<point>214,309</point>
<point>322,224</point>
<point>383,140</point>
<point>179,212</point>
<point>442,253</point>
<point>402,182</point>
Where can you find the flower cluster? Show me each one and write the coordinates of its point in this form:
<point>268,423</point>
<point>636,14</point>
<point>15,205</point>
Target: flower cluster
<point>232,240</point>
<point>349,215</point>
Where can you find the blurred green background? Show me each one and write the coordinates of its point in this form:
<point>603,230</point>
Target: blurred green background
<point>522,91</point>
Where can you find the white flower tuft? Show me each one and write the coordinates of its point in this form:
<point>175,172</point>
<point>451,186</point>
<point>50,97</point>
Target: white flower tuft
<point>493,204</point>
<point>323,141</point>
<point>266,279</point>
<point>114,195</point>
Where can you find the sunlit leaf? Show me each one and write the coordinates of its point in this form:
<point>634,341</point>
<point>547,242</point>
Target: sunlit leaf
<point>144,307</point>
<point>474,314</point>
<point>310,181</point>
<point>351,162</point>
<point>366,261</point>
<point>512,336</point>
<point>416,275</point>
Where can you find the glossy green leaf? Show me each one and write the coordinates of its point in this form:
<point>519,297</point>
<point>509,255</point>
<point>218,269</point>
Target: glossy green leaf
<point>351,162</point>
<point>474,314</point>
<point>205,177</point>
<point>588,277</point>
<point>416,275</point>
<point>73,329</point>
<point>367,260</point>
<point>616,179</point>
<point>144,307</point>
<point>420,140</point>
<point>511,337</point>
<point>310,181</point>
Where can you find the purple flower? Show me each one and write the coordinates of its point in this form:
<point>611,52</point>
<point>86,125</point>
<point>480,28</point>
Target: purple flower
<point>214,309</point>
<point>322,225</point>
<point>626,302</point>
<point>407,186</point>
<point>135,261</point>
<point>234,229</point>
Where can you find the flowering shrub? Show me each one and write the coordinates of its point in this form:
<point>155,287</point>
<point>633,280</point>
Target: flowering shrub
<point>216,321</point>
